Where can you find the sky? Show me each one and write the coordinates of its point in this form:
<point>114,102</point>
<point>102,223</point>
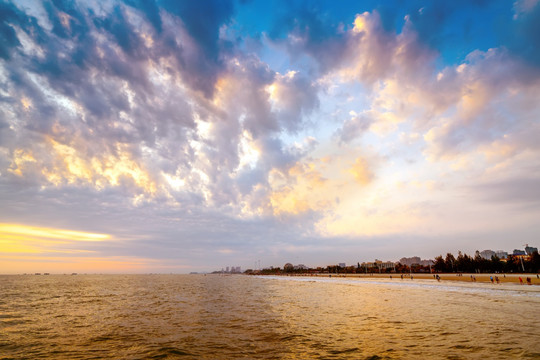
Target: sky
<point>175,136</point>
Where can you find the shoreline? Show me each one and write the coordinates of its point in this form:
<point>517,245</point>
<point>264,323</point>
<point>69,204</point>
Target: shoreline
<point>465,277</point>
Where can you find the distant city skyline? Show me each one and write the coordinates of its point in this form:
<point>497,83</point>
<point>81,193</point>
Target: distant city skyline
<point>183,136</point>
<point>416,260</point>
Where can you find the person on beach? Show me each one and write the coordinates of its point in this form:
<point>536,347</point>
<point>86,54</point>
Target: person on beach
<point>520,281</point>
<point>401,276</point>
<point>497,279</point>
<point>491,278</point>
<point>529,282</point>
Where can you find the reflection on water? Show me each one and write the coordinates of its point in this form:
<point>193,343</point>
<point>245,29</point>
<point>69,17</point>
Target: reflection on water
<point>225,317</point>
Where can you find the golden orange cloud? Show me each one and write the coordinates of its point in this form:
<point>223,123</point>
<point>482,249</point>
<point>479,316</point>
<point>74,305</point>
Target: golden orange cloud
<point>17,238</point>
<point>361,172</point>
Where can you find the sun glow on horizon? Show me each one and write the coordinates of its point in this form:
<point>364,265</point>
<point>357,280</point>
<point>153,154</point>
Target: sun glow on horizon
<point>18,238</point>
<point>26,248</point>
<point>41,232</point>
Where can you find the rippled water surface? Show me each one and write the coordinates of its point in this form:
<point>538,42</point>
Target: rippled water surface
<point>235,317</point>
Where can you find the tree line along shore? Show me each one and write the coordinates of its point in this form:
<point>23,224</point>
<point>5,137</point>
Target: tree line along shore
<point>462,268</point>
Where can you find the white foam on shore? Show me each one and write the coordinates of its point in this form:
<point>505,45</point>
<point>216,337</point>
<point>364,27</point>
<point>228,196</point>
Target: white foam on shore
<point>503,289</point>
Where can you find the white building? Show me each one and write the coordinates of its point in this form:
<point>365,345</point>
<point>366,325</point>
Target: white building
<point>487,254</point>
<point>379,264</point>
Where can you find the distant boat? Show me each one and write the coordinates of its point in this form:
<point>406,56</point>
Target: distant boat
<point>37,274</point>
<point>46,274</point>
<point>73,273</point>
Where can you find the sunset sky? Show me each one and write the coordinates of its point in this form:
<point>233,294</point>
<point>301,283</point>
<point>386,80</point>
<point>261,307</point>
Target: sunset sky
<point>177,136</point>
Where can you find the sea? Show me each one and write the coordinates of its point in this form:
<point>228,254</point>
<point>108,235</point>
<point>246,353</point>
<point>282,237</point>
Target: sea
<point>264,317</point>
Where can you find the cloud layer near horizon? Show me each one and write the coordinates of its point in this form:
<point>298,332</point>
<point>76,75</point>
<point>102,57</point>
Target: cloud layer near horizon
<point>196,142</point>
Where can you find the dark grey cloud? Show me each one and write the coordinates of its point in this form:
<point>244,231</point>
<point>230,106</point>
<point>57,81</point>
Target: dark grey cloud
<point>203,21</point>
<point>76,21</point>
<point>123,32</point>
<point>8,37</point>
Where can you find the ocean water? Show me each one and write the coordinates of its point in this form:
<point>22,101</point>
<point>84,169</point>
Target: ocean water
<point>247,317</point>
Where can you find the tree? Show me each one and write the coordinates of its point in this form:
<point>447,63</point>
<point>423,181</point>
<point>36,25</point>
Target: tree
<point>496,264</point>
<point>439,265</point>
<point>400,268</point>
<point>464,263</point>
<point>449,262</point>
<point>534,262</point>
<point>288,267</point>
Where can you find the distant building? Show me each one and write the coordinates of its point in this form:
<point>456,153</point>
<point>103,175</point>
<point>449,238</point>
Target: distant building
<point>342,265</point>
<point>487,254</point>
<point>410,261</point>
<point>415,260</point>
<point>518,252</point>
<point>530,250</point>
<point>379,264</point>
<point>300,267</point>
<point>501,254</point>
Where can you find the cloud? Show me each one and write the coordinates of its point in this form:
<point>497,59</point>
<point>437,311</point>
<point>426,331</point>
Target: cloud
<point>203,23</point>
<point>9,39</point>
<point>293,97</point>
<point>486,97</point>
<point>35,238</point>
<point>520,191</point>
<point>355,126</point>
<point>361,172</point>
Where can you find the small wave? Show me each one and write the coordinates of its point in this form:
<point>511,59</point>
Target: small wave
<point>169,350</point>
<point>345,351</point>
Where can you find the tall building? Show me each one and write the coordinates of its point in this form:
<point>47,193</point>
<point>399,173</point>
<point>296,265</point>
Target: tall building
<point>501,254</point>
<point>530,250</point>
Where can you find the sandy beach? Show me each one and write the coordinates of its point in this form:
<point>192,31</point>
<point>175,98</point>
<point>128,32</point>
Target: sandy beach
<point>482,278</point>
